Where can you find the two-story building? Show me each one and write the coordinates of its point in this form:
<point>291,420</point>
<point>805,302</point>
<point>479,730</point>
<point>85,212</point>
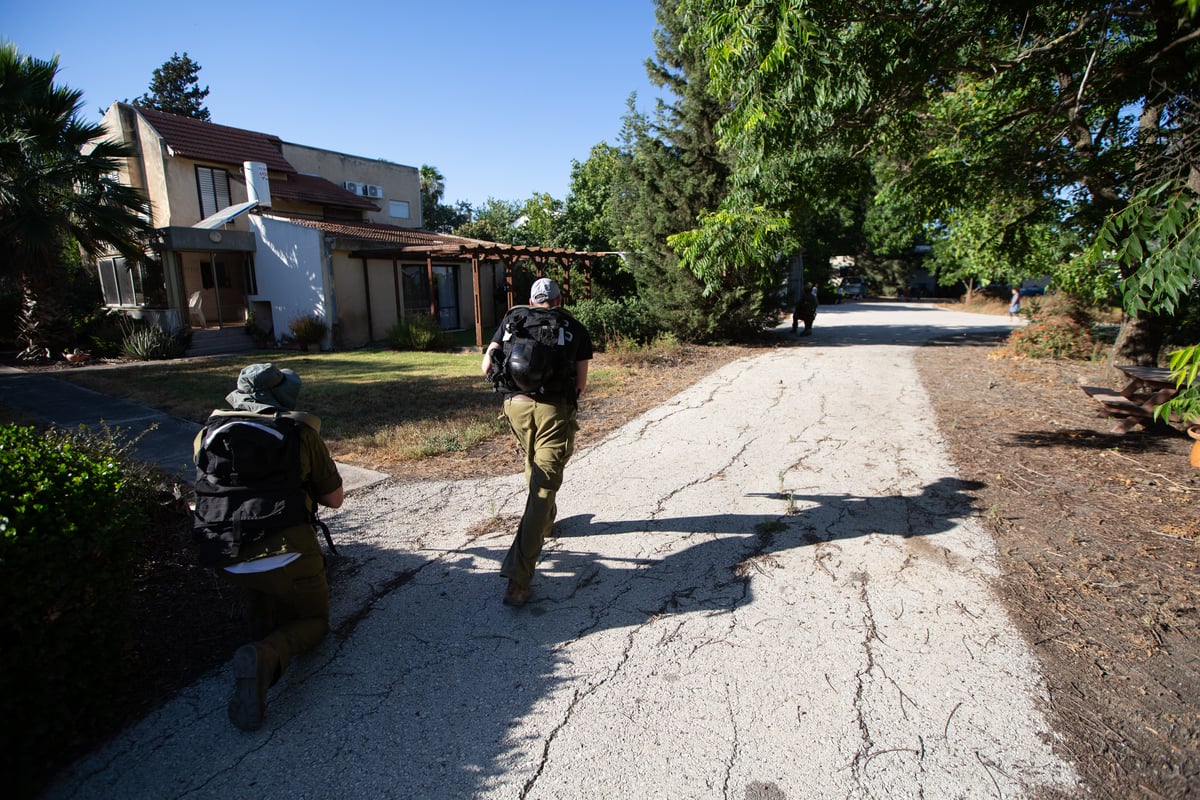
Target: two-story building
<point>247,224</point>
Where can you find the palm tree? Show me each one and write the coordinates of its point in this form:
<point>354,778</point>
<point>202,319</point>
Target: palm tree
<point>58,186</point>
<point>433,185</point>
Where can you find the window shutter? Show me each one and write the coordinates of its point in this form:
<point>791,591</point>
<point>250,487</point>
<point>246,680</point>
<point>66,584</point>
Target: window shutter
<point>214,190</point>
<point>221,186</point>
<point>208,198</point>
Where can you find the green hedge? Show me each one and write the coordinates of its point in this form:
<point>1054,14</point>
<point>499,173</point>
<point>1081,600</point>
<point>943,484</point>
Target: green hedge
<point>72,509</point>
<point>608,322</point>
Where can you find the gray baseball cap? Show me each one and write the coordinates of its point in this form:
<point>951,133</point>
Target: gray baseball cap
<point>543,291</point>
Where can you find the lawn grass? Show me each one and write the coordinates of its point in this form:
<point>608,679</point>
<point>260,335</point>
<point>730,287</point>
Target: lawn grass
<point>377,406</point>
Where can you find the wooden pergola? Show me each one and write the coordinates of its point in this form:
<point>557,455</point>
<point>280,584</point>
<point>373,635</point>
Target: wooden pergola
<point>510,255</point>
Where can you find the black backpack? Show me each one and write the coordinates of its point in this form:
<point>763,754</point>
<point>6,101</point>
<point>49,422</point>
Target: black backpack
<point>536,353</point>
<point>248,483</point>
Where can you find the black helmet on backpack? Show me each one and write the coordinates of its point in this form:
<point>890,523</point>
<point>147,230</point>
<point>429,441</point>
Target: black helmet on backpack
<point>529,366</point>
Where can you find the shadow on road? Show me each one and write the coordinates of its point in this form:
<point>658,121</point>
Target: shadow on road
<point>440,691</point>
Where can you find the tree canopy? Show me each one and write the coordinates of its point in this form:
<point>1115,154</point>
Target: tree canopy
<point>675,173</point>
<point>175,89</point>
<point>59,190</point>
<point>1071,108</point>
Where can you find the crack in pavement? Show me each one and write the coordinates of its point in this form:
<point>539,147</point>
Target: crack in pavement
<point>861,676</point>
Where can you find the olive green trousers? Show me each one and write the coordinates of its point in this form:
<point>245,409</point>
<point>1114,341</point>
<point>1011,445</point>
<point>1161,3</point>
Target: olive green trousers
<point>288,607</point>
<point>546,432</point>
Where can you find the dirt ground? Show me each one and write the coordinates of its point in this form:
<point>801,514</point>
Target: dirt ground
<point>1097,533</point>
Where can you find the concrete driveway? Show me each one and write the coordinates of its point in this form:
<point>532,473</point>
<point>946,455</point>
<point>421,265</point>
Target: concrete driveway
<point>771,586</point>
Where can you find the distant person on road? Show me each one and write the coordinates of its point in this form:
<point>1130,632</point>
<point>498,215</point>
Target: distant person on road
<point>261,469</point>
<point>1014,305</point>
<point>539,359</point>
<point>805,310</point>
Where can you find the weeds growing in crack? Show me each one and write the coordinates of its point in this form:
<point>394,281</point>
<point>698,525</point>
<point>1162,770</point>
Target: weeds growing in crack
<point>789,495</point>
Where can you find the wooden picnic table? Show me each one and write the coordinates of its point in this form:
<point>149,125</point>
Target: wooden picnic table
<point>1146,389</point>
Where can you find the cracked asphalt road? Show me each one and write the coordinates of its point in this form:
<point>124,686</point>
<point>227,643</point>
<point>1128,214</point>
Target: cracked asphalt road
<point>769,587</point>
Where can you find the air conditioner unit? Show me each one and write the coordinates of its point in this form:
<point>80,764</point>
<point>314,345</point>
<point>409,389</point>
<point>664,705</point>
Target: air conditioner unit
<point>373,191</point>
<point>351,186</point>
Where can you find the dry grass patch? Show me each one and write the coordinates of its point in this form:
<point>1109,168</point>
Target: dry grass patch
<point>398,411</point>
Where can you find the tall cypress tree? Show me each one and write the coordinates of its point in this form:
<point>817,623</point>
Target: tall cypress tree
<point>676,172</point>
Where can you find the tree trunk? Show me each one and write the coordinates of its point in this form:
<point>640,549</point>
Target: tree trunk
<point>1139,340</point>
<point>42,326</point>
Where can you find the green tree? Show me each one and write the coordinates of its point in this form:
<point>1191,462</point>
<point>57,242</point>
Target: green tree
<point>973,247</point>
<point>59,179</point>
<point>175,89</point>
<point>436,216</point>
<point>494,221</point>
<point>590,220</point>
<point>1036,94</point>
<point>677,174</point>
<point>433,185</point>
<point>1158,235</point>
<point>538,220</point>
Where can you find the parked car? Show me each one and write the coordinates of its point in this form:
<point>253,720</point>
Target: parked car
<point>852,288</point>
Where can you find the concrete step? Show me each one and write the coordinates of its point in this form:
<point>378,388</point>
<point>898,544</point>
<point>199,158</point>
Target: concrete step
<point>223,342</point>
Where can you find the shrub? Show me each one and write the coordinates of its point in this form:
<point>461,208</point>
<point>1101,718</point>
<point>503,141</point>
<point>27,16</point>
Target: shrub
<point>261,336</point>
<point>101,333</point>
<point>615,321</point>
<point>71,512</point>
<point>1058,337</point>
<point>1060,326</point>
<point>417,332</point>
<point>146,342</point>
<point>308,330</point>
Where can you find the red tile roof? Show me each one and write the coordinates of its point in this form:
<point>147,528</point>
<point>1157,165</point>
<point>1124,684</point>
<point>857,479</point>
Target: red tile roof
<point>383,234</point>
<point>384,241</point>
<point>220,144</point>
<point>315,189</point>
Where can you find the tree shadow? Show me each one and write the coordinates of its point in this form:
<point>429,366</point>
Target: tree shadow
<point>430,687</point>
<point>1137,441</point>
<point>890,324</point>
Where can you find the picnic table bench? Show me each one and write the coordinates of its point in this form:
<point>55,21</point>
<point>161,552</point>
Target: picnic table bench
<point>1146,389</point>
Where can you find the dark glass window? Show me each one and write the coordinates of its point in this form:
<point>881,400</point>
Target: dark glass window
<point>106,267</point>
<point>206,275</point>
<point>154,283</point>
<point>139,285</point>
<point>416,289</point>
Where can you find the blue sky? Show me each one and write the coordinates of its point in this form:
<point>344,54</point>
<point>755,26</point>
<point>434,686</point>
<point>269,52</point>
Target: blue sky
<point>499,96</point>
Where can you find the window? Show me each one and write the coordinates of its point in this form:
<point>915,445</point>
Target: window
<point>139,285</point>
<point>153,282</point>
<point>214,190</point>
<point>206,275</point>
<point>112,271</point>
<point>416,290</point>
<point>445,283</point>
<point>398,209</point>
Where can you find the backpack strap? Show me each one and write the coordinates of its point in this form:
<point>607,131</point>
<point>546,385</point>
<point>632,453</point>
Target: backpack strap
<point>320,523</point>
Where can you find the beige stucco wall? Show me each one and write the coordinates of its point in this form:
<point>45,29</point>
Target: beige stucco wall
<point>399,182</point>
<point>351,311</point>
<point>378,288</point>
<point>355,291</point>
